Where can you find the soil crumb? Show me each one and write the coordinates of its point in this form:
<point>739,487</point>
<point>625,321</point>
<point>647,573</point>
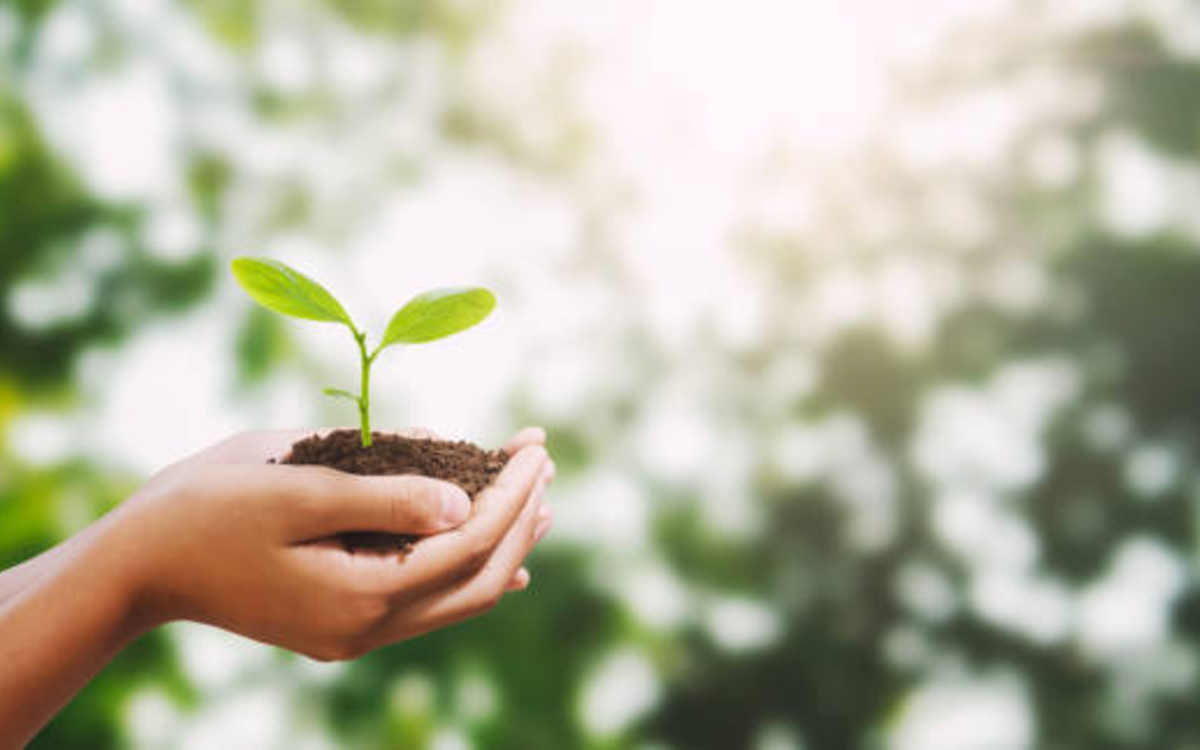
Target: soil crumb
<point>460,462</point>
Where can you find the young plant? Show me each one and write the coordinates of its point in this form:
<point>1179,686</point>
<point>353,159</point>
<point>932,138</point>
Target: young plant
<point>427,317</point>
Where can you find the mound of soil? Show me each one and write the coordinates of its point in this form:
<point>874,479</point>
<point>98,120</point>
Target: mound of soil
<point>459,462</point>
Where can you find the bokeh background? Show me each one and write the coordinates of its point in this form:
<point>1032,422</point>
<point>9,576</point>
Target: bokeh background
<point>865,332</point>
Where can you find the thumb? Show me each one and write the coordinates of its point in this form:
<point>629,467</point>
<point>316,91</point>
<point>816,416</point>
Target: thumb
<point>327,502</point>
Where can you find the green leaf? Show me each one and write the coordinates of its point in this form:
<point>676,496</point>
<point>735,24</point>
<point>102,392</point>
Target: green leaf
<point>438,313</point>
<point>285,290</point>
<point>339,393</point>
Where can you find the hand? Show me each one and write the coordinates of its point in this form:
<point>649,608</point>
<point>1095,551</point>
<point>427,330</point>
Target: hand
<point>227,539</point>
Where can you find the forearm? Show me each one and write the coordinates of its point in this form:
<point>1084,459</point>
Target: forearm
<point>16,578</point>
<point>68,615</point>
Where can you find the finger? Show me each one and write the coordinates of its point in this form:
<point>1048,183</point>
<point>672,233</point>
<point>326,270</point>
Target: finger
<point>318,501</point>
<point>459,554</point>
<point>525,438</point>
<point>483,591</point>
<point>544,524</point>
<point>369,572</point>
<point>550,472</point>
<point>520,581</point>
<point>545,519</point>
<point>475,595</point>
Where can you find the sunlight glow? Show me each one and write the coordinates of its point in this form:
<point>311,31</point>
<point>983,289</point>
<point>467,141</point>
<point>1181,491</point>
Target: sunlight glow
<point>739,624</point>
<point>621,688</point>
<point>1127,611</point>
<point>960,714</point>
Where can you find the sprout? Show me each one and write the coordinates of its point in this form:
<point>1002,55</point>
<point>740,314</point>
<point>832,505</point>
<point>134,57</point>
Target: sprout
<point>427,317</point>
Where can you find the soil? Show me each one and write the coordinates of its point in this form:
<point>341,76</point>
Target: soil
<point>460,462</point>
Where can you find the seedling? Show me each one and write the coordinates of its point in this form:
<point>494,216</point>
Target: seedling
<point>429,316</point>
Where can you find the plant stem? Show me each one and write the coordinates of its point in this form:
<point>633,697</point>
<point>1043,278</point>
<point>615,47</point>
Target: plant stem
<point>364,394</point>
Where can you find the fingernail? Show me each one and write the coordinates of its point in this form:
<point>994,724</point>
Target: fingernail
<point>456,506</point>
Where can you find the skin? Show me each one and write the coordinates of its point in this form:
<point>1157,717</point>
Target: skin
<point>226,539</point>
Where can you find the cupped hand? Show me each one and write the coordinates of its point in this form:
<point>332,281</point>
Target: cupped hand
<point>228,539</point>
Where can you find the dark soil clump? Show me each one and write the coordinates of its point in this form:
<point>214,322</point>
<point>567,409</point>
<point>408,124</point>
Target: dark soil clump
<point>459,462</point>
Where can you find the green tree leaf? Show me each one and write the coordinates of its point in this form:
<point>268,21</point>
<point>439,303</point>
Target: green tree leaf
<point>339,393</point>
<point>285,290</point>
<point>438,313</point>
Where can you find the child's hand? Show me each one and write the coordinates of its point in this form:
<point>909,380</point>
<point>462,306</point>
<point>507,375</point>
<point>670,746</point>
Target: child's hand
<point>227,539</point>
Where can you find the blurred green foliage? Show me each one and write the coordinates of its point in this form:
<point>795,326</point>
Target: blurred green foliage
<point>44,215</point>
<point>1122,310</point>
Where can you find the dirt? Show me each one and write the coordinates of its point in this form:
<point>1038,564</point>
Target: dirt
<point>460,462</point>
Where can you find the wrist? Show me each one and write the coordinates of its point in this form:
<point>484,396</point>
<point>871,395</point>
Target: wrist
<point>111,548</point>
<point>74,613</point>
